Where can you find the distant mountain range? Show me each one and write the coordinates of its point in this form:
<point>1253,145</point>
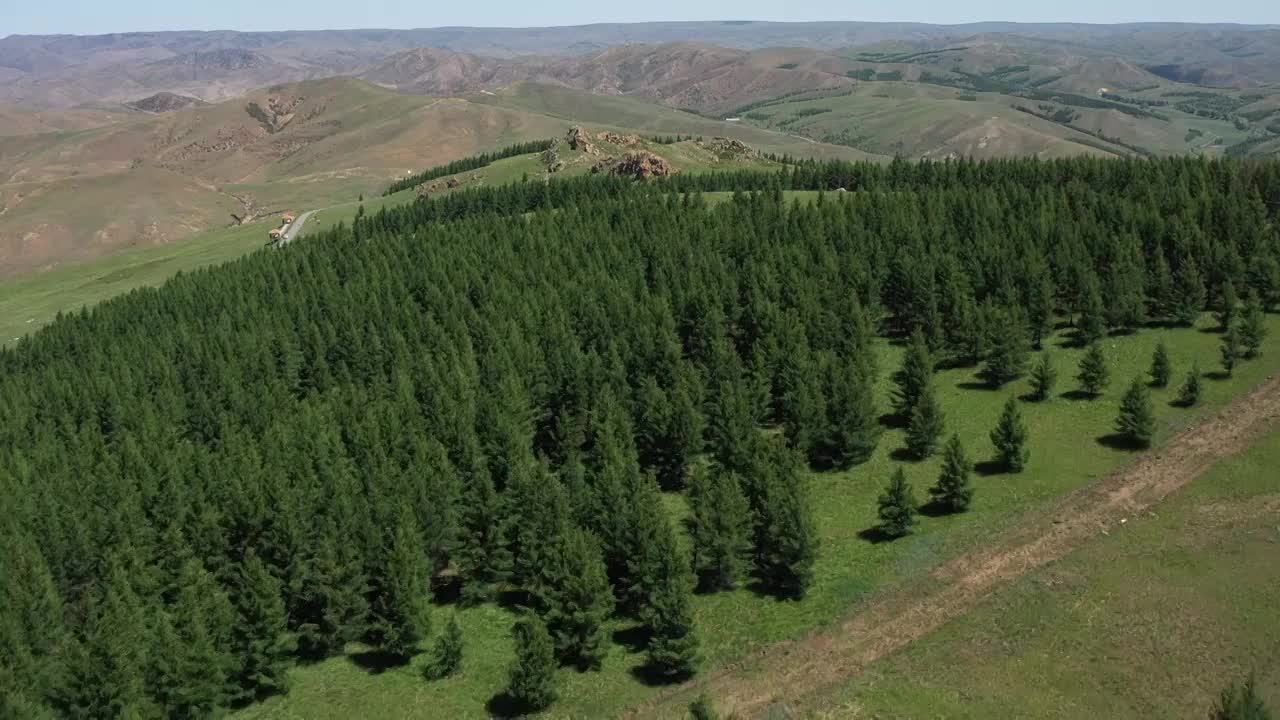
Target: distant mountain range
<point>143,138</point>
<point>65,70</point>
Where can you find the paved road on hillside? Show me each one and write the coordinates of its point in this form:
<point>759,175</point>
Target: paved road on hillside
<point>295,228</point>
<point>795,669</point>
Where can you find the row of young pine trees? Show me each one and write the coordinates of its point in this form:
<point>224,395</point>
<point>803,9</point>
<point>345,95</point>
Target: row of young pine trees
<point>279,457</point>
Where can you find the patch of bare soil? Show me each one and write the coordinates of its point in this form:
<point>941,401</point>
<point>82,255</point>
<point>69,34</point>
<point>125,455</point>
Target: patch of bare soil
<point>790,670</point>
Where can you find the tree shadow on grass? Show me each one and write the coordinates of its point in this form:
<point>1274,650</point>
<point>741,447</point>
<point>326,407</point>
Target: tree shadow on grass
<point>935,509</point>
<point>1218,375</point>
<point>1031,398</point>
<point>987,468</point>
<point>893,421</point>
<point>1077,395</point>
<point>653,677</point>
<point>635,638</point>
<point>876,535</point>
<point>376,662</point>
<point>977,385</point>
<point>446,590</point>
<point>502,705</point>
<point>904,455</point>
<point>1116,441</point>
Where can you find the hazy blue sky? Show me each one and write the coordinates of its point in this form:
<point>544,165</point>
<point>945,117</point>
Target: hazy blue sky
<point>100,16</point>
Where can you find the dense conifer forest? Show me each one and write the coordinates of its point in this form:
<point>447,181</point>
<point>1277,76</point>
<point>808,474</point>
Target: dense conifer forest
<point>482,397</point>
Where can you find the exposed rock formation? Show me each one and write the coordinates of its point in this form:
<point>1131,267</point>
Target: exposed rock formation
<point>728,148</point>
<point>616,139</point>
<point>579,140</point>
<point>639,165</point>
<point>276,113</point>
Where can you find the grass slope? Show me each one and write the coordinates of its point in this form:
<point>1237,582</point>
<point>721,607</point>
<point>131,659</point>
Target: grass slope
<point>849,569</point>
<point>1150,621</point>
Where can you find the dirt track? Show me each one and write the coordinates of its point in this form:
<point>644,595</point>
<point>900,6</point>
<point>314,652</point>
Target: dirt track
<point>791,670</point>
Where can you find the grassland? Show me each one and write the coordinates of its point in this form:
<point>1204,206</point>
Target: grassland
<point>930,120</point>
<point>1149,621</point>
<point>849,571</point>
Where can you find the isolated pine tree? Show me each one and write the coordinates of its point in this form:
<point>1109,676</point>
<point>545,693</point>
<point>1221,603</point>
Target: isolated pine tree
<point>1228,311</point>
<point>926,426</point>
<point>578,601</point>
<point>262,635</point>
<point>1240,702</point>
<point>1230,350</point>
<point>719,527</point>
<point>1253,329</point>
<point>446,654</point>
<point>1043,378</point>
<point>1007,358</point>
<point>531,679</point>
<point>953,492</point>
<point>1161,366</point>
<point>897,507</point>
<point>1136,422</point>
<point>1010,439</point>
<point>672,654</point>
<point>1094,376</point>
<point>1189,393</point>
<point>913,377</point>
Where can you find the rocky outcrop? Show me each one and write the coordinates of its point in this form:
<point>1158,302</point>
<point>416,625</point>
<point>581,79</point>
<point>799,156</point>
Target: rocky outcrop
<point>275,113</point>
<point>728,148</point>
<point>579,140</point>
<point>640,165</point>
<point>616,139</point>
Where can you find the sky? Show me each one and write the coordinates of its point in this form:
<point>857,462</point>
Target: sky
<point>106,16</point>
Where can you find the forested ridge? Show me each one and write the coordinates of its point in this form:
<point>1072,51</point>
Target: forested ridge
<point>488,391</point>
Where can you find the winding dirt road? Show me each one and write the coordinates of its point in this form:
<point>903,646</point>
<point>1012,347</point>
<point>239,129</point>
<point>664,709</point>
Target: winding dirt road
<point>792,670</point>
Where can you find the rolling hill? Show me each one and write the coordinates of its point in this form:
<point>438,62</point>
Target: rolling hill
<point>157,178</point>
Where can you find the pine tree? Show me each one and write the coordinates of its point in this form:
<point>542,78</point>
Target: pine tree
<point>1189,393</point>
<point>953,492</point>
<point>1010,439</point>
<point>399,619</point>
<point>1007,358</point>
<point>1228,306</point>
<point>1240,702</point>
<point>1093,319</point>
<point>531,679</point>
<point>926,425</point>
<point>785,536</point>
<point>672,654</point>
<point>195,666</point>
<point>913,377</point>
<point>1043,378</point>
<point>262,635</point>
<point>1136,422</point>
<point>1253,329</point>
<point>719,527</point>
<point>1094,376</point>
<point>483,558</point>
<point>1161,366</point>
<point>578,601</point>
<point>1190,293</point>
<point>853,422</point>
<point>1230,350</point>
<point>897,507</point>
<point>446,654</point>
<point>332,607</point>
